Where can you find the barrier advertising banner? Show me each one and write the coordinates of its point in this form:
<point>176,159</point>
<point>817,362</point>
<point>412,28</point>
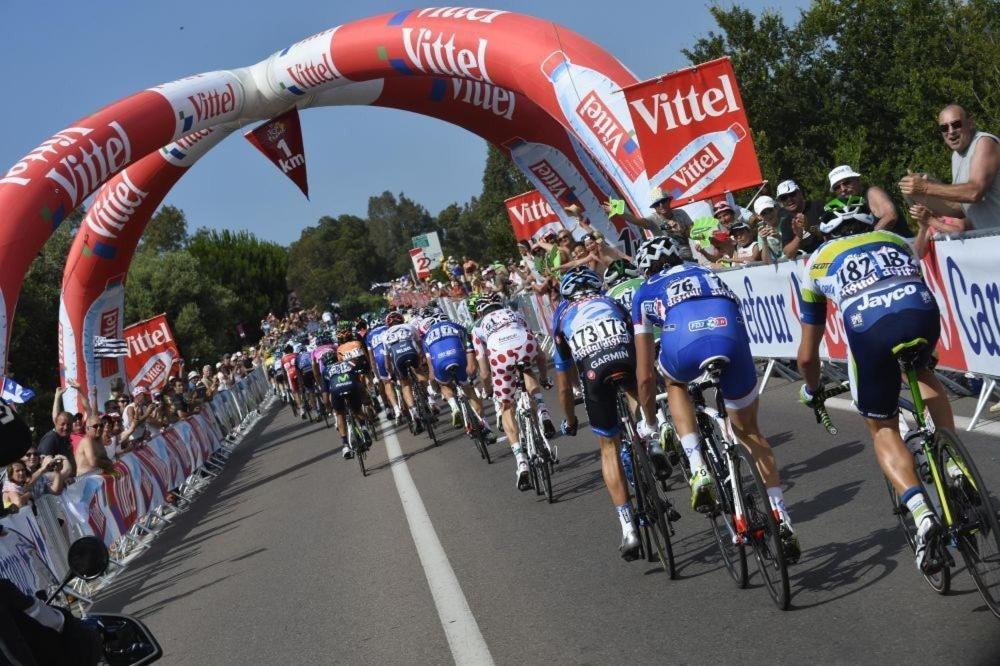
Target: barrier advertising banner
<point>532,216</point>
<point>693,131</point>
<point>280,139</point>
<point>152,353</point>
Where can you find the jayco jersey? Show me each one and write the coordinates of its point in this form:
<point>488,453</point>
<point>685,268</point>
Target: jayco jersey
<point>669,288</point>
<point>874,271</point>
<point>592,329</point>
<point>496,329</point>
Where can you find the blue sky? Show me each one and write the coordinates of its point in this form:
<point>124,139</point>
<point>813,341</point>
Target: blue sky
<point>66,59</point>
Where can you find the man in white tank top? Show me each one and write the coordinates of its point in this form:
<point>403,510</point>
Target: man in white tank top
<point>975,165</point>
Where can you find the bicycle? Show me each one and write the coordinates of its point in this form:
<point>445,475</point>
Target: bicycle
<point>474,426</point>
<point>419,393</point>
<point>956,491</point>
<point>304,406</point>
<point>653,511</point>
<point>359,439</point>
<point>540,454</point>
<point>742,515</point>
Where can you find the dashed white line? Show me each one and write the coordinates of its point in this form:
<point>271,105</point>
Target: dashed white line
<point>460,628</point>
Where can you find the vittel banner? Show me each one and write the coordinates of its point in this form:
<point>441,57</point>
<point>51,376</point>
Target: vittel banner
<point>204,100</point>
<point>532,216</point>
<point>694,134</point>
<point>152,352</point>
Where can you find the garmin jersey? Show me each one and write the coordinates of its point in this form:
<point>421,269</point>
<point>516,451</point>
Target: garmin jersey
<point>495,330</point>
<point>591,331</point>
<point>847,270</point>
<point>669,288</point>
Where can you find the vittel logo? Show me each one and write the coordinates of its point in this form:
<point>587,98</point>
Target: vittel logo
<point>529,212</point>
<point>684,109</point>
<point>498,101</point>
<point>473,14</point>
<point>64,139</point>
<point>212,104</point>
<point>81,172</point>
<point>551,178</point>
<point>115,206</point>
<point>311,74</point>
<point>434,53</point>
<point>887,299</point>
<point>146,340</point>
<point>602,122</point>
<point>109,322</point>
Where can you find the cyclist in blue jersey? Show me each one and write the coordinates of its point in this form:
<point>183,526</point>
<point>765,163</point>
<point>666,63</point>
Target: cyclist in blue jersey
<point>593,333</point>
<point>376,352</point>
<point>874,279</point>
<point>402,353</point>
<point>700,319</point>
<point>449,352</point>
<point>304,365</point>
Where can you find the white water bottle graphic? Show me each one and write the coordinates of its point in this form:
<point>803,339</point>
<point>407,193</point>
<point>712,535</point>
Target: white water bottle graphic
<point>700,162</point>
<point>600,119</point>
<point>560,182</point>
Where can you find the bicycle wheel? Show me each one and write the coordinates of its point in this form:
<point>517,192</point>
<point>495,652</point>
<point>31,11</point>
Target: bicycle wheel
<point>326,416</point>
<point>974,517</point>
<point>655,508</point>
<point>359,447</point>
<point>762,529</point>
<point>734,554</point>
<point>483,444</point>
<point>941,581</point>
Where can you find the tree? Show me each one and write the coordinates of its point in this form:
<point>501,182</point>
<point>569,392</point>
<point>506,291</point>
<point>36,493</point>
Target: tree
<point>166,231</point>
<point>393,223</point>
<point>501,180</point>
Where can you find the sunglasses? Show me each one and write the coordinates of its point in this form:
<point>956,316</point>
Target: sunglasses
<point>953,125</point>
<point>786,197</point>
<point>95,426</point>
<point>31,454</point>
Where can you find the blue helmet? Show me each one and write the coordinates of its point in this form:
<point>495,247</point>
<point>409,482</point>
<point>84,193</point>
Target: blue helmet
<point>580,281</point>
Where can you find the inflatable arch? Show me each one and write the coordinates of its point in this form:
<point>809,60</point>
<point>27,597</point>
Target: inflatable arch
<point>544,94</point>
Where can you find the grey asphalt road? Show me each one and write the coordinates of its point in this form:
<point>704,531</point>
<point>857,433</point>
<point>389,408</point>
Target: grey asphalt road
<point>292,557</point>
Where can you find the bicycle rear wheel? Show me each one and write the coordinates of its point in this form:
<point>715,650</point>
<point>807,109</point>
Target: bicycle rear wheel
<point>734,554</point>
<point>326,416</point>
<point>762,529</point>
<point>655,507</point>
<point>974,516</point>
<point>941,581</point>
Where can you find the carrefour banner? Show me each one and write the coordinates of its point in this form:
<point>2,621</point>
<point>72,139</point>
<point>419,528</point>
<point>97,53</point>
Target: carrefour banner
<point>531,216</point>
<point>152,353</point>
<point>693,130</point>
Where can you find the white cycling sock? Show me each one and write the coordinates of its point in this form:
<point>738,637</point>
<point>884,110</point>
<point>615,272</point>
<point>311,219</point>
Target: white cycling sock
<point>453,403</point>
<point>45,615</point>
<point>916,502</point>
<point>625,517</point>
<point>778,504</point>
<point>693,451</point>
<point>414,414</point>
<point>540,399</point>
<point>519,457</point>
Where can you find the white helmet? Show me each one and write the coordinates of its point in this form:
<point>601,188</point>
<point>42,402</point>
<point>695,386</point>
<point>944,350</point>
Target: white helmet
<point>660,252</point>
<point>836,212</point>
<point>327,317</point>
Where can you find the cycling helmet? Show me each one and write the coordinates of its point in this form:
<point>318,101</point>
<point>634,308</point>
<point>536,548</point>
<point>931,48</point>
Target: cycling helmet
<point>323,338</point>
<point>346,334</point>
<point>361,324</point>
<point>658,253</point>
<point>328,358</point>
<point>580,281</point>
<point>473,303</point>
<point>435,318</point>
<point>489,303</point>
<point>837,213</point>
<point>327,317</point>
<point>618,271</point>
<point>393,318</point>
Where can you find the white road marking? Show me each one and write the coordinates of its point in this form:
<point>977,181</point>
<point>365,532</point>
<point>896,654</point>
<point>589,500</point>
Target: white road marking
<point>460,627</point>
<point>961,422</point>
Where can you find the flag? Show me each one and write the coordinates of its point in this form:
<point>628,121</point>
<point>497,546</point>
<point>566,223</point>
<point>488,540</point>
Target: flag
<point>280,140</point>
<point>14,392</point>
<point>109,347</point>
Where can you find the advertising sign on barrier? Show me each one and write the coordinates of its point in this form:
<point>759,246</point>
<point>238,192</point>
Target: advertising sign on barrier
<point>693,132</point>
<point>966,271</point>
<point>152,353</point>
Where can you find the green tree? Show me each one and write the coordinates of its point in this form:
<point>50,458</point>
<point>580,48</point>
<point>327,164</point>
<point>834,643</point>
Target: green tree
<point>166,231</point>
<point>501,180</point>
<point>393,222</point>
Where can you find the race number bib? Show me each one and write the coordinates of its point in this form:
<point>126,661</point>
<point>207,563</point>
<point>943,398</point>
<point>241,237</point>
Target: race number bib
<point>597,335</point>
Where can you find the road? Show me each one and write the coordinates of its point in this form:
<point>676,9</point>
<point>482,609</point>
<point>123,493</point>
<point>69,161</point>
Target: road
<point>292,557</point>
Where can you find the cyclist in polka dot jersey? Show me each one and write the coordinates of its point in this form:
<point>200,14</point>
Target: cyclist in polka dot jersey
<point>501,339</point>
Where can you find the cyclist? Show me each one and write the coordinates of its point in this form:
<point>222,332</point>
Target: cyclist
<point>501,340</point>
<point>288,362</point>
<point>449,350</point>
<point>344,388</point>
<point>351,348</point>
<point>875,281</point>
<point>402,344</point>
<point>376,355</point>
<point>304,365</point>
<point>593,332</point>
<point>324,344</point>
<point>700,318</point>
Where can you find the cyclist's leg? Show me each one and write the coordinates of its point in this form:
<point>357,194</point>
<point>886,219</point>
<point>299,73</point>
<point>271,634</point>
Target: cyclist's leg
<point>936,399</point>
<point>340,409</point>
<point>499,377</point>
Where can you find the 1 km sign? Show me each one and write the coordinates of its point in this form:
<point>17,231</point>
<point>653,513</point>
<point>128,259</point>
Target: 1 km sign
<point>280,139</point>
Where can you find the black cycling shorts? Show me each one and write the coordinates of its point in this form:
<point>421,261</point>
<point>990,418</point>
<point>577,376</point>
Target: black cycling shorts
<point>600,374</point>
<point>343,398</point>
<point>308,380</point>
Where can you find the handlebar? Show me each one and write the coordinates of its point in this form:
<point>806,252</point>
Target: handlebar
<point>819,408</point>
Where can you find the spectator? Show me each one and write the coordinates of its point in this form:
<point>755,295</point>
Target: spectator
<point>929,224</point>
<point>455,289</point>
<point>178,400</point>
<point>846,182</point>
<point>91,455</point>
<point>223,380</point>
<point>136,413</point>
<point>208,379</point>
<point>22,486</point>
<point>56,441</point>
<point>663,220</point>
<point>974,192</point>
<point>799,221</point>
<point>53,466</point>
<point>469,268</point>
<point>768,236</point>
<point>747,250</point>
<point>115,438</point>
<point>724,213</point>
